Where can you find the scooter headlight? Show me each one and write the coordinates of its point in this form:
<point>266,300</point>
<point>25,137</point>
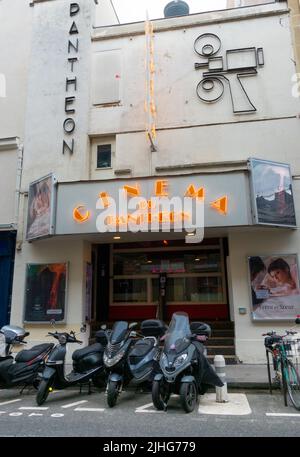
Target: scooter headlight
<point>110,361</point>
<point>180,360</point>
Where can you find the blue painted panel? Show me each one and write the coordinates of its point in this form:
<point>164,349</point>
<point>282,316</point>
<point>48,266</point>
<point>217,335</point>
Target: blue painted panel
<point>7,249</point>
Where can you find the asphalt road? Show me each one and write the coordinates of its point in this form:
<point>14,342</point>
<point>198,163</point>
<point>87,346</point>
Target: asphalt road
<point>68,413</point>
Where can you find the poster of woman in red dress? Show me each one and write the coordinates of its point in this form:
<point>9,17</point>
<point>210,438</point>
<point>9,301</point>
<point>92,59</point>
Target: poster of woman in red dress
<point>45,292</point>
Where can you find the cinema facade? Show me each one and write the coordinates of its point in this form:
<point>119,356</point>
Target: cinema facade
<point>220,135</point>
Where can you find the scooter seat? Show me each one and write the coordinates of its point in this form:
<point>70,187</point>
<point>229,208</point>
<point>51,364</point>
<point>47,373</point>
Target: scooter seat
<point>81,353</point>
<point>28,354</point>
<point>140,350</point>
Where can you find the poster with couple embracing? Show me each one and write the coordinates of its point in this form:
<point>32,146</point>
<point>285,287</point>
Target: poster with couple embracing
<point>275,291</point>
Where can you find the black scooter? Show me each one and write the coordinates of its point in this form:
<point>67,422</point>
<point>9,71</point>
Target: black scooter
<point>120,341</point>
<point>25,370</point>
<point>143,357</point>
<point>184,367</point>
<point>87,365</point>
<point>129,360</point>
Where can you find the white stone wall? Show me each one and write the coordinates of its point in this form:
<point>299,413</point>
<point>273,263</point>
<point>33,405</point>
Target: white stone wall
<point>206,132</point>
<point>49,68</point>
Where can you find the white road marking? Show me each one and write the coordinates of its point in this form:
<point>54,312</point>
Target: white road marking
<point>282,415</point>
<point>57,415</point>
<point>90,409</point>
<point>144,409</point>
<point>74,404</point>
<point>237,405</point>
<point>10,401</point>
<point>34,408</point>
<point>35,414</point>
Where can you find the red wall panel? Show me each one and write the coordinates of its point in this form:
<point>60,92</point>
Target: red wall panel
<point>131,313</point>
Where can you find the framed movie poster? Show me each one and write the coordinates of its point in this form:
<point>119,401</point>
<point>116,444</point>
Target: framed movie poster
<point>46,291</point>
<point>41,202</point>
<point>274,287</point>
<point>272,193</point>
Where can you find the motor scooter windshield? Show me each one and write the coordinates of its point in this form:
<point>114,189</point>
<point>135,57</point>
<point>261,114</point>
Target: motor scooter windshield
<point>178,335</point>
<point>119,332</point>
<point>2,345</point>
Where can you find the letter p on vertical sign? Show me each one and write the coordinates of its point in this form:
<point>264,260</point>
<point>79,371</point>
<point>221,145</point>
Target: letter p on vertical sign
<point>2,86</point>
<point>74,9</point>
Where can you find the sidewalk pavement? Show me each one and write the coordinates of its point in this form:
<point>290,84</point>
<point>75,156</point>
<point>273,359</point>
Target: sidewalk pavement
<point>239,376</point>
<point>247,376</point>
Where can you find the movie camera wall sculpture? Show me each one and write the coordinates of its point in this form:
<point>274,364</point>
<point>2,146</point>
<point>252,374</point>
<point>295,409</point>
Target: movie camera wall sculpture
<point>226,70</point>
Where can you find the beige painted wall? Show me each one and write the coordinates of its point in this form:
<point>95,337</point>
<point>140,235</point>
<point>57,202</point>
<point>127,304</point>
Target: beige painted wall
<point>74,251</point>
<point>15,34</point>
<point>249,340</point>
<point>8,167</point>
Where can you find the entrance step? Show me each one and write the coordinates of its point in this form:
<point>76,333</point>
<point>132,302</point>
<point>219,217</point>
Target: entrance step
<point>222,332</point>
<point>229,359</point>
<point>220,341</point>
<point>220,350</point>
<point>220,325</point>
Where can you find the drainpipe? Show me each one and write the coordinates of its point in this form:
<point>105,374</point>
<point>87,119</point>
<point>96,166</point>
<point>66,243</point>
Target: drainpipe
<point>18,183</point>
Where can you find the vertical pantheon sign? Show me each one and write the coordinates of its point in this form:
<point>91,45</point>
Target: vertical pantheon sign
<point>69,124</point>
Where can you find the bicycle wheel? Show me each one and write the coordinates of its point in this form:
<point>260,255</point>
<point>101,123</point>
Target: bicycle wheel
<point>292,379</point>
<point>281,379</point>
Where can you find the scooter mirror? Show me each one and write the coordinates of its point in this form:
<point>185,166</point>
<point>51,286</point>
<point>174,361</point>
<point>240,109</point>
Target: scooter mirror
<point>133,325</point>
<point>83,329</point>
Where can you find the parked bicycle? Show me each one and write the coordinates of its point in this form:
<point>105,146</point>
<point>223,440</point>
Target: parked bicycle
<point>284,351</point>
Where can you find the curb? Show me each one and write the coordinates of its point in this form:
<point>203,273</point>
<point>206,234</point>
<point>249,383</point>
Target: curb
<point>250,385</point>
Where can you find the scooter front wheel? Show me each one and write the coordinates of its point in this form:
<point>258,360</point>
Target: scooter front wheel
<point>188,396</point>
<point>160,395</point>
<point>43,391</point>
<point>112,393</point>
